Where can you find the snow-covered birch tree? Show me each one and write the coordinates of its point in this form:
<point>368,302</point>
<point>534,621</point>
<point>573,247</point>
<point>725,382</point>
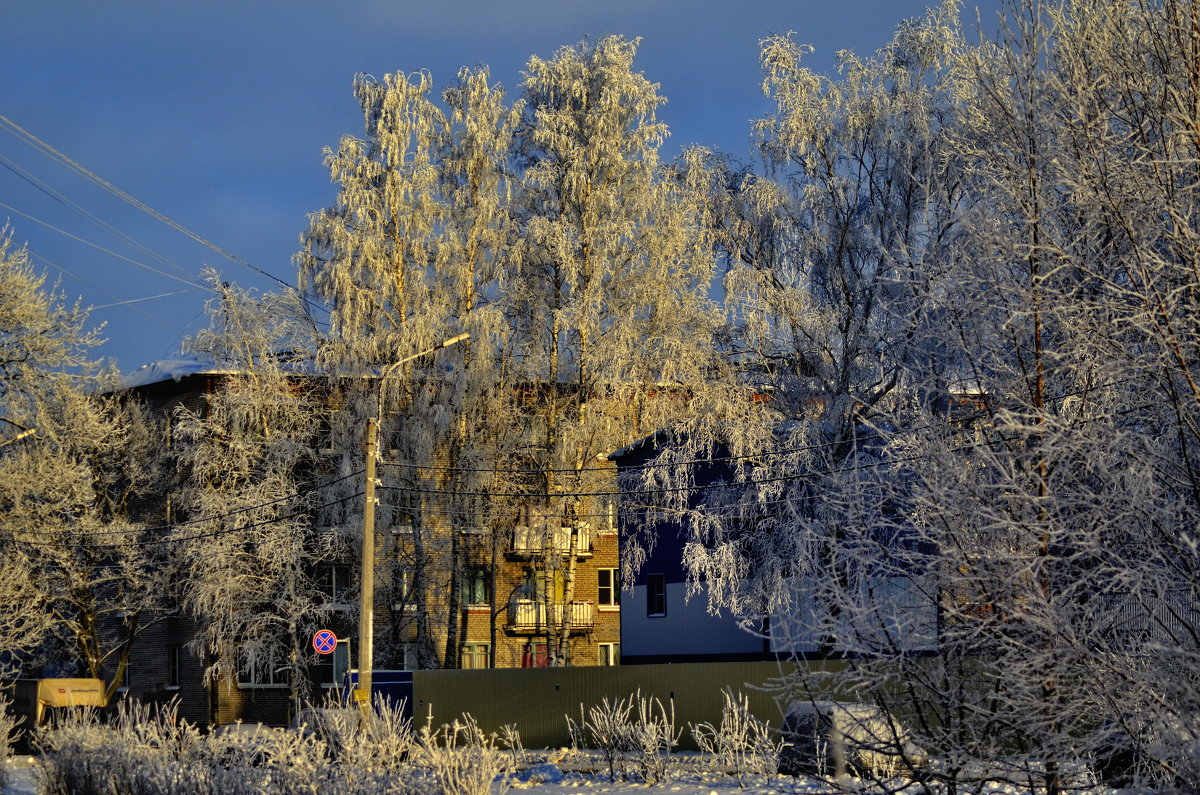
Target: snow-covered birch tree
<point>1018,444</point>
<point>832,254</point>
<point>413,253</point>
<point>245,529</point>
<point>609,299</point>
<point>83,579</point>
<point>1070,314</point>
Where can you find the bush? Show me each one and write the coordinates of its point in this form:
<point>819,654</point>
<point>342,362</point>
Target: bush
<point>831,739</point>
<point>644,740</point>
<point>742,744</point>
<point>461,759</point>
<point>8,736</point>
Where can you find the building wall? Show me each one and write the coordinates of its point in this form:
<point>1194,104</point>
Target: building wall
<point>395,625</point>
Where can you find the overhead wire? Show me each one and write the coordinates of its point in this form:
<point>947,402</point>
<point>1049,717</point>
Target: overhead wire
<point>37,143</point>
<point>100,289</point>
<point>199,536</point>
<point>214,517</point>
<point>110,252</point>
<point>730,458</point>
<point>446,511</point>
<point>87,214</point>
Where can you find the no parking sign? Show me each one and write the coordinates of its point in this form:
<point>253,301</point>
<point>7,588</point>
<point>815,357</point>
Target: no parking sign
<point>324,641</point>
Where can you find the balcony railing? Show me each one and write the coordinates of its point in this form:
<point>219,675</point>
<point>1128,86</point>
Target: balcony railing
<point>539,540</point>
<point>527,616</point>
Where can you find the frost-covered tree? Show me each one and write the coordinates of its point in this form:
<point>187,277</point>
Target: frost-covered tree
<point>245,527</point>
<point>551,233</point>
<point>1071,307</point>
<point>413,253</point>
<point>609,298</point>
<point>83,579</point>
<point>833,253</point>
<point>1015,446</point>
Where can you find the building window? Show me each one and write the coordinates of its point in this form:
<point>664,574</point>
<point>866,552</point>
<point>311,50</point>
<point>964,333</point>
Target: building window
<point>477,587</point>
<point>259,673</point>
<point>330,670</point>
<point>545,586</point>
<point>537,655</point>
<point>609,591</point>
<point>610,653</point>
<point>608,525</point>
<point>172,667</point>
<point>475,655</point>
<point>333,579</point>
<point>656,595</point>
<point>402,589</point>
<point>409,655</point>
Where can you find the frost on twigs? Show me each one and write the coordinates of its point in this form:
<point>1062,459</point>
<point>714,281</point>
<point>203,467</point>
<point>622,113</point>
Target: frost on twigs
<point>741,744</point>
<point>635,735</point>
<point>461,759</point>
<point>8,735</point>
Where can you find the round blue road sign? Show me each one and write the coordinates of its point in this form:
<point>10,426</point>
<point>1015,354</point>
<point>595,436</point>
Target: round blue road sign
<point>324,641</point>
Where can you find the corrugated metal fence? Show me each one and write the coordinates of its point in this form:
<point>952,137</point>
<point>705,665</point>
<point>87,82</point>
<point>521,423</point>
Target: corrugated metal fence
<point>537,700</point>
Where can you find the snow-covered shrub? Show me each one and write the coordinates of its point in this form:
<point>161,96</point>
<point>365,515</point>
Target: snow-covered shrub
<point>8,736</point>
<point>372,742</point>
<point>605,727</point>
<point>742,743</point>
<point>148,751</point>
<point>654,735</point>
<point>461,759</point>
<point>71,756</point>
<point>248,759</point>
<point>830,739</point>
<point>643,740</point>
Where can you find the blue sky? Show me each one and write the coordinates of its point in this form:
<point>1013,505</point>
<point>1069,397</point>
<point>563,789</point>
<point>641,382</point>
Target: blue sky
<point>215,114</point>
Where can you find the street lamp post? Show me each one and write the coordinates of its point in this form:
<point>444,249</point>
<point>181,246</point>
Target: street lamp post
<point>366,597</point>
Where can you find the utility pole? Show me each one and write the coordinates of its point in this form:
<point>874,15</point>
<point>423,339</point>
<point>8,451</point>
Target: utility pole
<point>366,595</point>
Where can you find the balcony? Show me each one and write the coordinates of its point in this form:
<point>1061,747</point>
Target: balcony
<point>528,617</point>
<point>535,540</point>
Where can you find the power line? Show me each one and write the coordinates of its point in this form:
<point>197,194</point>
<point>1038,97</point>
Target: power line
<point>80,279</point>
<point>858,438</point>
<point>213,534</point>
<point>129,301</point>
<point>87,214</point>
<point>213,518</point>
<point>48,150</point>
<point>108,251</point>
<point>711,486</point>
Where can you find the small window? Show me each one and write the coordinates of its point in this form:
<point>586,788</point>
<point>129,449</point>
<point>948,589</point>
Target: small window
<point>259,673</point>
<point>172,667</point>
<point>410,656</point>
<point>330,670</point>
<point>656,595</point>
<point>537,655</point>
<point>475,655</point>
<point>477,587</point>
<point>333,579</point>
<point>610,653</point>
<point>608,591</point>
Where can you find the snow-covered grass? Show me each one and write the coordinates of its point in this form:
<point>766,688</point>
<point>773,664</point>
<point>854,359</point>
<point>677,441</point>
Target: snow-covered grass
<point>149,751</point>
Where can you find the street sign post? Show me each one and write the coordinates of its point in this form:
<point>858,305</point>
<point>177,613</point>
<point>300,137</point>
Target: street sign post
<point>324,641</point>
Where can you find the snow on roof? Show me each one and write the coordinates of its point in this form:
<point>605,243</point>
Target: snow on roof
<point>171,369</point>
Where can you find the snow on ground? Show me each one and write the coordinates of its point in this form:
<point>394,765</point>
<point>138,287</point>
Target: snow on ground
<point>549,779</point>
<point>19,772</point>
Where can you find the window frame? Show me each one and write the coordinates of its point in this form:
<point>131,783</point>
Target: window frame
<point>613,587</point>
<point>473,651</point>
<point>612,658</point>
<point>656,595</point>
